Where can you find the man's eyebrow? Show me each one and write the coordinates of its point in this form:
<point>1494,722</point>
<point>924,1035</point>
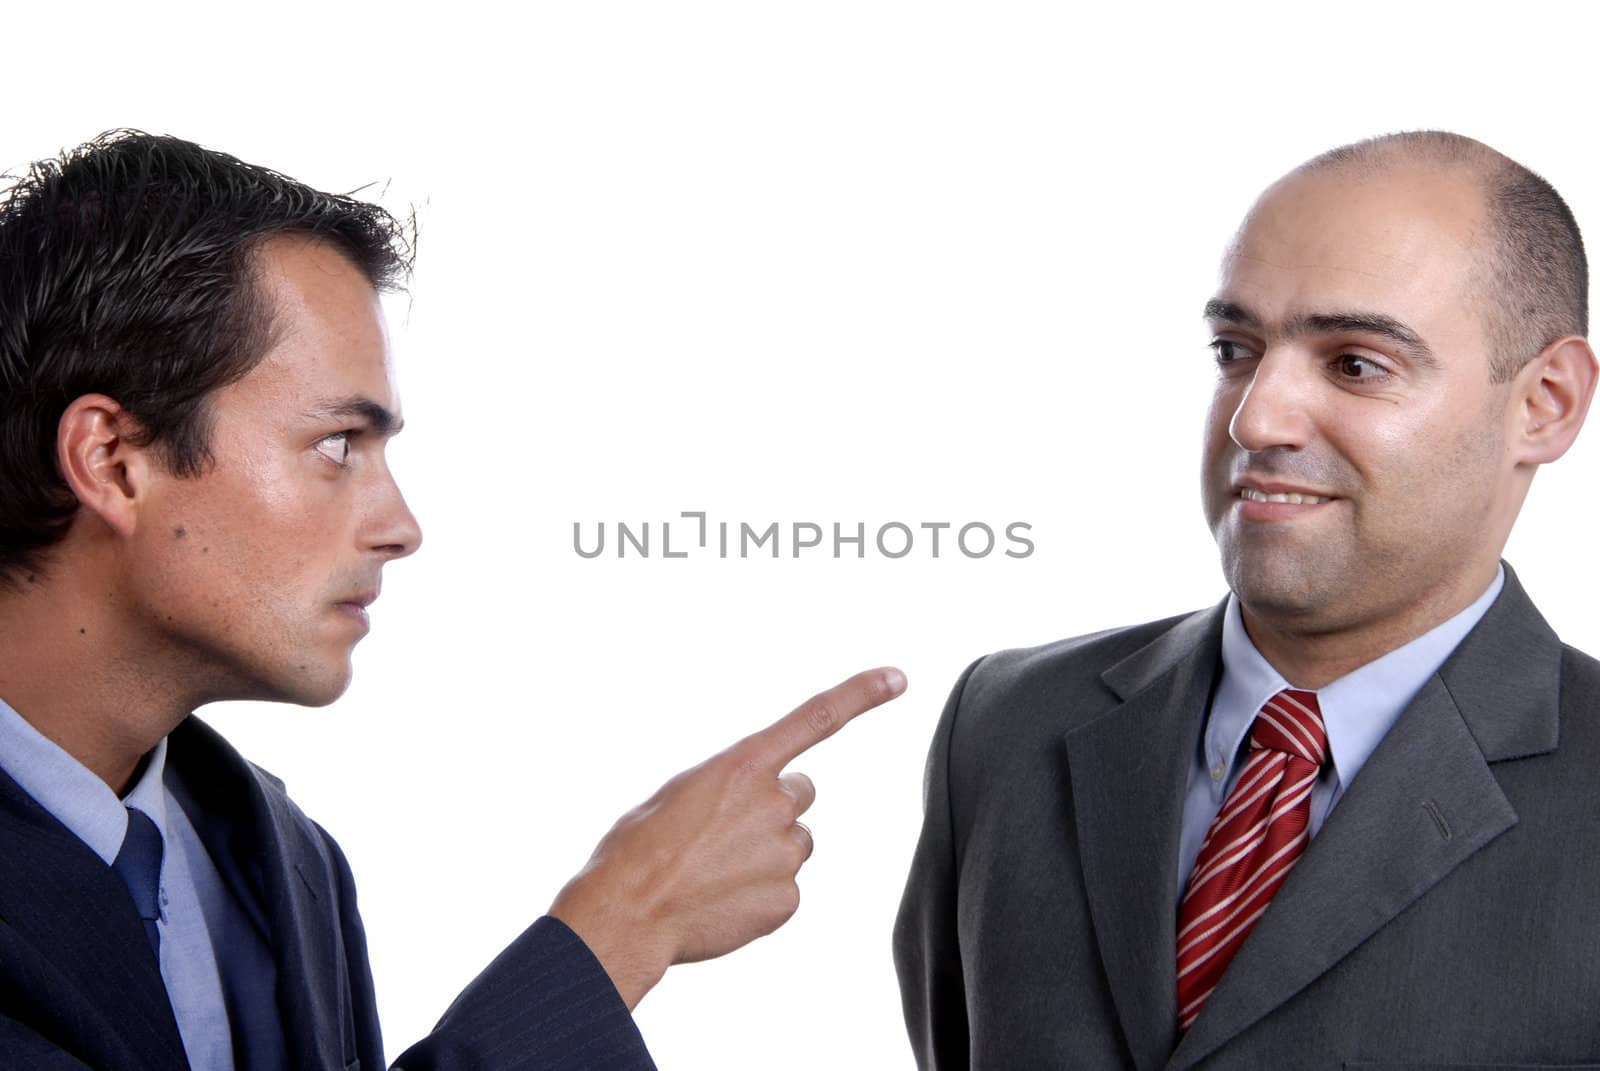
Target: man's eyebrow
<point>1327,323</point>
<point>1366,323</point>
<point>1231,313</point>
<point>377,417</point>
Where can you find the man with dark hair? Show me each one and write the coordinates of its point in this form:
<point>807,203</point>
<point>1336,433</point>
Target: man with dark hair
<point>195,397</point>
<point>1345,818</point>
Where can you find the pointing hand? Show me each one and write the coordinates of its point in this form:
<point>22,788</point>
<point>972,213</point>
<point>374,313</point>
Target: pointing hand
<point>708,863</point>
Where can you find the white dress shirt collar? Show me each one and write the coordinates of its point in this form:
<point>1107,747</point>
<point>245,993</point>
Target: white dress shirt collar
<point>72,792</point>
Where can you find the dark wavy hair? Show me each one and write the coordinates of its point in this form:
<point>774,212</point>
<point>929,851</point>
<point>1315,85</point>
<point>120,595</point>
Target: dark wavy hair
<point>126,269</point>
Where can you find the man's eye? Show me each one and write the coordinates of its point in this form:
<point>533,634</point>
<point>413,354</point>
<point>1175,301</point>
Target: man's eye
<point>1228,352</point>
<point>335,447</point>
<point>1354,367</point>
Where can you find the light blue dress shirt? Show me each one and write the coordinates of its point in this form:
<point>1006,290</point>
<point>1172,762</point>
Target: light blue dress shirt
<point>1357,710</point>
<point>197,908</point>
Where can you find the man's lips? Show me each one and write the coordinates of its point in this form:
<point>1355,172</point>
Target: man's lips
<point>356,605</point>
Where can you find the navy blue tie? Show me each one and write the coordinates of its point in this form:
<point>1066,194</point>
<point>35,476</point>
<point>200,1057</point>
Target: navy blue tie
<point>138,864</point>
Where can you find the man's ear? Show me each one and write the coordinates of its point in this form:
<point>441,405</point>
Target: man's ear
<point>1553,392</point>
<point>98,455</point>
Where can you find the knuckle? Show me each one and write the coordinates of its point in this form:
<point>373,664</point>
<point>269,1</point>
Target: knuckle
<point>734,762</point>
<point>822,716</point>
<point>743,759</point>
<point>779,809</point>
<point>802,844</point>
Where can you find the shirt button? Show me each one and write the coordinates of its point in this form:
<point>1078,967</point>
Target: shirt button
<point>1218,772</point>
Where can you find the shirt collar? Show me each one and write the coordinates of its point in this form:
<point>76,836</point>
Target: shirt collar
<point>72,793</point>
<point>1357,709</point>
<point>149,793</point>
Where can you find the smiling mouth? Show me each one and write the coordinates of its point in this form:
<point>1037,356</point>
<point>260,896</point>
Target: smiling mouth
<point>1250,494</point>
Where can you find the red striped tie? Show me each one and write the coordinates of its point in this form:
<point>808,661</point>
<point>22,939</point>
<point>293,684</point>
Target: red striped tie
<point>1252,844</point>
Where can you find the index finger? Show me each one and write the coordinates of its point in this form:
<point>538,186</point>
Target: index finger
<point>821,716</point>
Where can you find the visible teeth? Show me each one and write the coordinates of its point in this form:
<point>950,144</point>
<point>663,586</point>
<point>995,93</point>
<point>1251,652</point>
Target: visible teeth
<point>1253,495</point>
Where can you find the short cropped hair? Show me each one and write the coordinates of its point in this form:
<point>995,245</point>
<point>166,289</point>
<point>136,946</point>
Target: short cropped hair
<point>127,268</point>
<point>1532,275</point>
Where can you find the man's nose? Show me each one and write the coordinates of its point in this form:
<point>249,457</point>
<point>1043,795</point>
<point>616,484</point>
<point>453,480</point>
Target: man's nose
<point>394,530</point>
<point>1278,405</point>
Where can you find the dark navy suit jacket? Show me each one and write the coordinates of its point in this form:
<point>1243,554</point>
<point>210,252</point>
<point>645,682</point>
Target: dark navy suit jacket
<point>80,988</point>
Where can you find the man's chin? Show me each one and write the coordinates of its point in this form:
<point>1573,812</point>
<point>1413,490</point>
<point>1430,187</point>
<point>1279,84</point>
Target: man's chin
<point>326,692</point>
<point>310,686</point>
<point>1281,591</point>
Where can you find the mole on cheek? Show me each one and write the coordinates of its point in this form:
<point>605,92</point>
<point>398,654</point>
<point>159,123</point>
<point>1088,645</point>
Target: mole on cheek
<point>180,532</point>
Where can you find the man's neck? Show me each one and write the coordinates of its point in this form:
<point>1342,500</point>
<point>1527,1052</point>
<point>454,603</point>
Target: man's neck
<point>74,672</point>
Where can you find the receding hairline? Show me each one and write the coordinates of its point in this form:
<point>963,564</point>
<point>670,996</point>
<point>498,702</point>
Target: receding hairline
<point>1440,148</point>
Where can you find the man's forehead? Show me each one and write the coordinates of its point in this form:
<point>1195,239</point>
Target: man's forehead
<point>310,283</point>
<point>327,344</point>
<point>1393,221</point>
<point>1340,244</point>
<point>296,384</point>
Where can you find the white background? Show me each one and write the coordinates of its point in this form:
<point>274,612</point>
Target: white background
<point>854,262</point>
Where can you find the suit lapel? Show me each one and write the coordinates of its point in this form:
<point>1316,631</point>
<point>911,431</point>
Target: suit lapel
<point>1128,770</point>
<point>311,971</point>
<point>73,953</point>
<point>270,843</point>
<point>1424,803</point>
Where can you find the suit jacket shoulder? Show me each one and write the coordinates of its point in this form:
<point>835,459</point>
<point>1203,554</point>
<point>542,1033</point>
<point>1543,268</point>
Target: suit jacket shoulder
<point>1000,689</point>
<point>999,841</point>
<point>1011,709</point>
<point>79,988</point>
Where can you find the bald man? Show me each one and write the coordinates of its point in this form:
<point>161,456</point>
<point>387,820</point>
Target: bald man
<point>1347,817</point>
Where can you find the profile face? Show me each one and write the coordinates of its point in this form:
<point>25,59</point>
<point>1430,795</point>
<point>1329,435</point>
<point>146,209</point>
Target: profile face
<point>1355,464</point>
<point>260,569</point>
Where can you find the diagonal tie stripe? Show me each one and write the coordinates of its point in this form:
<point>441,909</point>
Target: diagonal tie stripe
<point>1289,723</point>
<point>1252,844</point>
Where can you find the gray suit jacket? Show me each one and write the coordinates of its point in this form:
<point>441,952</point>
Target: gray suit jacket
<point>1448,913</point>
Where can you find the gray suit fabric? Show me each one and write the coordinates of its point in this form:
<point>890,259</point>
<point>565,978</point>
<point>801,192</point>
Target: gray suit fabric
<point>1447,915</point>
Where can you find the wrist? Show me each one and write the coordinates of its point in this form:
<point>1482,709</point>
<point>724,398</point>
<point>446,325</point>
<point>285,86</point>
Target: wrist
<point>629,949</point>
